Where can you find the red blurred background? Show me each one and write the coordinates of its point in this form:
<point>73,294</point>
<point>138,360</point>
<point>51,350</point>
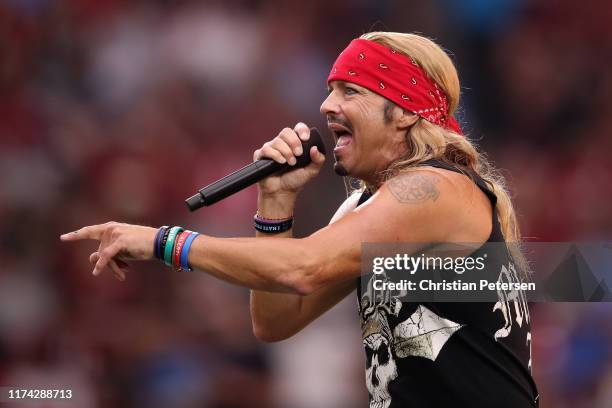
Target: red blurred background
<point>119,110</point>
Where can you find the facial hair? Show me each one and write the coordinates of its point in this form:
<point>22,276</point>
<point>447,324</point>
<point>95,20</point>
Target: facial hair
<point>339,168</point>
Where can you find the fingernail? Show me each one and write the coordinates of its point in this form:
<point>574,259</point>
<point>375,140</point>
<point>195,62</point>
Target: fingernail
<point>292,161</point>
<point>298,151</point>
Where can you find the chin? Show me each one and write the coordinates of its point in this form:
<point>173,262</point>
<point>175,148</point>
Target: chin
<point>340,169</point>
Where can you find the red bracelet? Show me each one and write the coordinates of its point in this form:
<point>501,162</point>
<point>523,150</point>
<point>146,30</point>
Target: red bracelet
<point>180,241</point>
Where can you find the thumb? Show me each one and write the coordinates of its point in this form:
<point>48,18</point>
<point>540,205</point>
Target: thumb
<point>316,156</point>
<point>317,160</point>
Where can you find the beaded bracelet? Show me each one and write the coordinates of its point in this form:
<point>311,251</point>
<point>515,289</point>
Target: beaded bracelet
<point>271,226</point>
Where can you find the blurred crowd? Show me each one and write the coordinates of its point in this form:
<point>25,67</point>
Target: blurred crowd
<point>119,110</point>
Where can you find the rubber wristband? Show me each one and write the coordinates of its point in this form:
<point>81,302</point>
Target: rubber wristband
<point>174,231</point>
<point>157,243</point>
<point>164,240</point>
<point>180,241</point>
<point>272,227</point>
<point>185,252</point>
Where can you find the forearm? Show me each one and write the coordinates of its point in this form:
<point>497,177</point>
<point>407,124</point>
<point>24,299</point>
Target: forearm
<point>285,320</point>
<point>278,316</point>
<point>272,262</point>
<point>272,312</point>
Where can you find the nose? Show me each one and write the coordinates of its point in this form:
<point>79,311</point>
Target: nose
<point>331,104</point>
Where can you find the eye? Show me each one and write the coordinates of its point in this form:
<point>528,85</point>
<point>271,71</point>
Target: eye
<point>350,91</point>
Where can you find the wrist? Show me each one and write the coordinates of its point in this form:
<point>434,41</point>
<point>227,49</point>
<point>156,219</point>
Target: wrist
<point>272,226</point>
<point>171,245</point>
<point>277,205</point>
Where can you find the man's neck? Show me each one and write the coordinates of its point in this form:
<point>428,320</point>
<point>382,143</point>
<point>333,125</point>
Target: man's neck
<point>371,188</point>
<point>374,183</point>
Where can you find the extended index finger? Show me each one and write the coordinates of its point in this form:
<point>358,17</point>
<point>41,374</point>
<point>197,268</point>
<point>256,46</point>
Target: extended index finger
<point>89,232</point>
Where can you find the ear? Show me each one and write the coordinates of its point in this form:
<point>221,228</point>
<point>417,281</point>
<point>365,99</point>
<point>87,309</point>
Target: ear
<point>404,118</point>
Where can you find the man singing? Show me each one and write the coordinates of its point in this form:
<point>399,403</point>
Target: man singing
<point>391,104</point>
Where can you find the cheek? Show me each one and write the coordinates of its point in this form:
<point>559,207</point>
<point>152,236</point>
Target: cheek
<point>373,139</point>
<point>363,109</point>
<point>381,146</point>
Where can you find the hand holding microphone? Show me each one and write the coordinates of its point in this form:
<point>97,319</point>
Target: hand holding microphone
<point>289,146</point>
<point>283,165</point>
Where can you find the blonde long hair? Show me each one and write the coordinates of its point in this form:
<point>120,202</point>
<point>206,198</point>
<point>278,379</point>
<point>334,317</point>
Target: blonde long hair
<point>428,141</point>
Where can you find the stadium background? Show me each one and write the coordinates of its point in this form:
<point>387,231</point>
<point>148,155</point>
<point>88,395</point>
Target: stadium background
<point>118,110</point>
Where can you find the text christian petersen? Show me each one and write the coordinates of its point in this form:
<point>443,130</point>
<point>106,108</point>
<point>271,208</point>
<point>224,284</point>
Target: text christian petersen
<point>459,265</point>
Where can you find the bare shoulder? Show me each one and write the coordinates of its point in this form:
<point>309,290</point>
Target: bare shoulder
<point>413,187</point>
<point>446,201</point>
<point>425,184</point>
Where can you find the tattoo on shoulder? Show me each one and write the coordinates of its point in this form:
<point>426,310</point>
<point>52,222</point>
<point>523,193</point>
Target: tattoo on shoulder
<point>414,188</point>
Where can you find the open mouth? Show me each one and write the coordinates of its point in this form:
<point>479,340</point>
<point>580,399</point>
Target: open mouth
<point>342,135</point>
<point>343,139</point>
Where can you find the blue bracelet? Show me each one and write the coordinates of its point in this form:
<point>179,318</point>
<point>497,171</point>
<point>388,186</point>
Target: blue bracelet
<point>185,251</point>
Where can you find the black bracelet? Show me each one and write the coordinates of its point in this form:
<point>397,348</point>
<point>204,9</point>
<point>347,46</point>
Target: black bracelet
<point>164,239</point>
<point>272,227</point>
<point>157,243</point>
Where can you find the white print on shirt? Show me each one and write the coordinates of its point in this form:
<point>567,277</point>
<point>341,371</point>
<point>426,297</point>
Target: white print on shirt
<point>423,334</point>
<point>513,306</point>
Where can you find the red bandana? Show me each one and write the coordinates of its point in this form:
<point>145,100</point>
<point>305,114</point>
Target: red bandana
<point>396,77</point>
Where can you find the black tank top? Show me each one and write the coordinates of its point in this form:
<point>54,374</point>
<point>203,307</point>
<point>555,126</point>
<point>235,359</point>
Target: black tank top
<point>449,354</point>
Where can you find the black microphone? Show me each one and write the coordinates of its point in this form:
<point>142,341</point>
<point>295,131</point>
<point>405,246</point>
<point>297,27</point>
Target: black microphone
<point>250,174</point>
